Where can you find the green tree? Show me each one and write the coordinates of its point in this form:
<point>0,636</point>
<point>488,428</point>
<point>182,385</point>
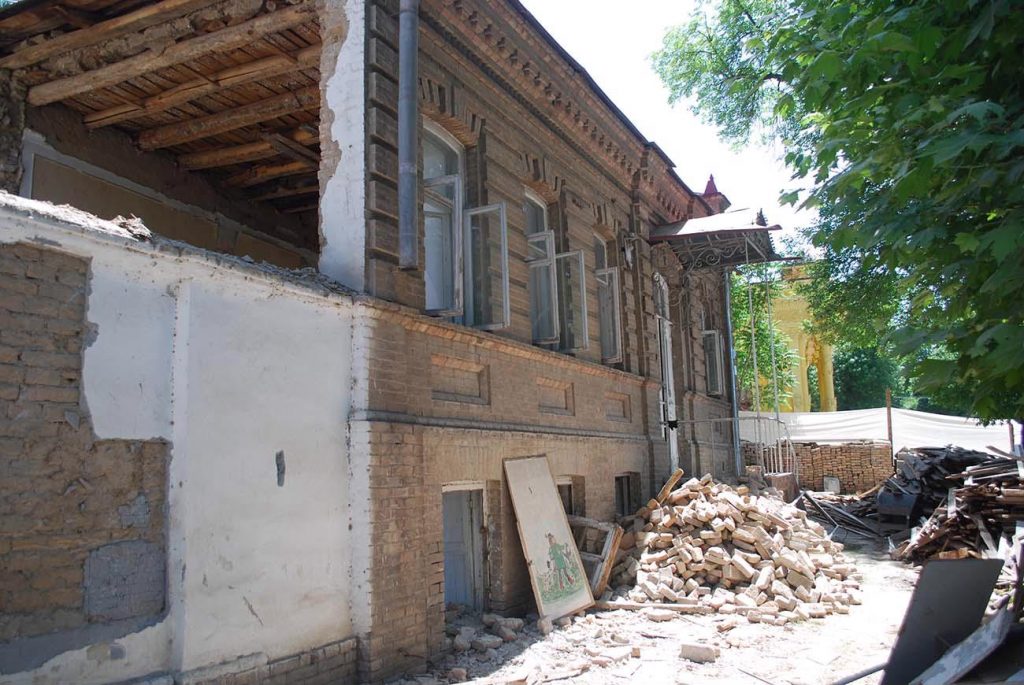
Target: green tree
<point>750,294</point>
<point>862,375</point>
<point>905,123</point>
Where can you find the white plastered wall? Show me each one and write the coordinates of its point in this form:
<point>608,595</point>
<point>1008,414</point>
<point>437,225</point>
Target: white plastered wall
<point>232,366</point>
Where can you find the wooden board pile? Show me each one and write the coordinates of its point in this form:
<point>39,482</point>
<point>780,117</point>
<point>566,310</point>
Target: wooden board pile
<point>706,547</point>
<point>982,515</point>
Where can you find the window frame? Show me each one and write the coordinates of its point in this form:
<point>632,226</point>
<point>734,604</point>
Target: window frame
<point>457,203</point>
<point>547,237</point>
<point>608,277</point>
<point>468,266</point>
<point>582,286</point>
<point>716,336</point>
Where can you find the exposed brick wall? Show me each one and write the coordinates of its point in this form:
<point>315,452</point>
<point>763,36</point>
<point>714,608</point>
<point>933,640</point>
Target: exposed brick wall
<point>82,520</point>
<point>331,664</point>
<point>409,465</point>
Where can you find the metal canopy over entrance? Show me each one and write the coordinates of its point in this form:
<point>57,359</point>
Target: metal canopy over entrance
<point>739,236</point>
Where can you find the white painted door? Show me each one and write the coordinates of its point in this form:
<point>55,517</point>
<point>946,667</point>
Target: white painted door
<point>463,548</point>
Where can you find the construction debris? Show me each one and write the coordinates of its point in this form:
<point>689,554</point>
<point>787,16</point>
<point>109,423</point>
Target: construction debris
<point>711,548</point>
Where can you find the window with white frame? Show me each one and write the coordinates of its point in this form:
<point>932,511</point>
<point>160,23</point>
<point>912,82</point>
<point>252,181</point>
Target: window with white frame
<point>713,362</point>
<point>466,250</point>
<point>607,303</point>
<point>442,219</point>
<point>557,285</point>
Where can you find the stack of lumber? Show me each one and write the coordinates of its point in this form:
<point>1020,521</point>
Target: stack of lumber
<point>706,547</point>
<point>926,473</point>
<point>857,465</point>
<point>982,515</point>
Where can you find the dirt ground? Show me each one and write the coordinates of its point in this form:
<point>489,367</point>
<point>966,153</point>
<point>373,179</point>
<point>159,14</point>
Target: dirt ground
<point>816,651</point>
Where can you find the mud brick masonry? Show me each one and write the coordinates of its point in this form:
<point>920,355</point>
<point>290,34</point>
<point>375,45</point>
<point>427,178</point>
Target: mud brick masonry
<point>230,415</point>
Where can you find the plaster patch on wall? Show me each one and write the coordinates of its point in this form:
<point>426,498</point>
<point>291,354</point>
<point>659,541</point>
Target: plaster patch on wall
<point>135,514</point>
<point>124,580</point>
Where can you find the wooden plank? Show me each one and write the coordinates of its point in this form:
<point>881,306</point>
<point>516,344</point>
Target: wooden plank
<point>556,572</point>
<point>669,484</point>
<point>289,148</point>
<point>228,120</point>
<point>611,550</point>
<point>142,18</point>
<point>262,174</point>
<point>225,39</point>
<point>256,70</point>
<point>240,154</point>
<point>640,606</point>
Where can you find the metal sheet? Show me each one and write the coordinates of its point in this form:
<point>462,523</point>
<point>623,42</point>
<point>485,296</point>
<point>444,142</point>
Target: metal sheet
<point>946,607</point>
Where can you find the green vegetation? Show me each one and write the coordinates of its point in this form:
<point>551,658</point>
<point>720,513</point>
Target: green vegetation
<point>785,358</point>
<point>905,124</point>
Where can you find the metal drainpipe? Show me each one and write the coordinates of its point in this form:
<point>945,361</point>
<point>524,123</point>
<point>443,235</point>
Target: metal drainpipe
<point>737,454</point>
<point>408,133</point>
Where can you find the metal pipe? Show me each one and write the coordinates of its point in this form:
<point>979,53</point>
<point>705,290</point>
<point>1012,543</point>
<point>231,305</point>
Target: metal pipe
<point>408,134</point>
<point>737,454</point>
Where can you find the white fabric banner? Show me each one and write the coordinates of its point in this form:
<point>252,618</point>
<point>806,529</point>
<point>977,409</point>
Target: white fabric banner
<point>909,428</point>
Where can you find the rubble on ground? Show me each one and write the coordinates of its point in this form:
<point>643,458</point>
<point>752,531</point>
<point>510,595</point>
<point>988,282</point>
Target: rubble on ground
<point>707,547</point>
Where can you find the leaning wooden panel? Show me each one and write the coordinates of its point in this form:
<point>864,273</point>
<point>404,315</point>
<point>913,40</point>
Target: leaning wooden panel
<point>560,585</point>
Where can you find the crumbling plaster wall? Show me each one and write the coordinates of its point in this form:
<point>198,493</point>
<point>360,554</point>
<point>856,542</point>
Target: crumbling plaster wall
<point>243,380</point>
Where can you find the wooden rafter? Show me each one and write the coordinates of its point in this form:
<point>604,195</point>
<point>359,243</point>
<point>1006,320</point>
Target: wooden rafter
<point>225,39</point>
<point>240,154</point>
<point>298,209</point>
<point>256,70</point>
<point>292,150</point>
<point>228,120</point>
<point>289,191</point>
<point>105,30</point>
<point>261,174</point>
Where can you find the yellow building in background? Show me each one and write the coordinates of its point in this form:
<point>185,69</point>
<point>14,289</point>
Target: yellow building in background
<point>791,313</point>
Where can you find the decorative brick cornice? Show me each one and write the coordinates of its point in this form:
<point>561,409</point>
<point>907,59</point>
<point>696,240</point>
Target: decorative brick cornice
<point>515,52</point>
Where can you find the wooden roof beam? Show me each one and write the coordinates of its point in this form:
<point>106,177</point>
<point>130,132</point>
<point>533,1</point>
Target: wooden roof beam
<point>259,69</point>
<point>229,38</point>
<point>292,150</point>
<point>228,120</point>
<point>142,18</point>
<point>240,154</point>
<point>261,174</point>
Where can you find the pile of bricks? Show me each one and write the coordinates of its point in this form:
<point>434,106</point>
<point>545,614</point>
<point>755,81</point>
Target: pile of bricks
<point>707,547</point>
<point>859,466</point>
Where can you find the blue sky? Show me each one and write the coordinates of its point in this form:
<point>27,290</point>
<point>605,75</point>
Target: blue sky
<point>613,40</point>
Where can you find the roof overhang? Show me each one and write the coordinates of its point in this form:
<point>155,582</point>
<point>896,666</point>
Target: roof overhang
<point>735,237</point>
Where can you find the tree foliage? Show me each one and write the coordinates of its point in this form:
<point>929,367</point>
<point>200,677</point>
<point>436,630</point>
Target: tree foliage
<point>748,288</point>
<point>862,375</point>
<point>905,121</point>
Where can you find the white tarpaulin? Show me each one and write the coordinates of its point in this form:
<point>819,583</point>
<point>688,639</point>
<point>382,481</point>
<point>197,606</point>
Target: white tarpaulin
<point>909,428</point>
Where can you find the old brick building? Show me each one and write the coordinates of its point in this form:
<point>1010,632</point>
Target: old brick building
<point>226,472</point>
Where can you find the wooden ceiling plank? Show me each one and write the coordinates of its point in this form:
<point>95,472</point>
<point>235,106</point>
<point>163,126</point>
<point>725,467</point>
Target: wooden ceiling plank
<point>289,148</point>
<point>105,30</point>
<point>240,154</point>
<point>228,38</point>
<point>300,208</point>
<point>228,120</point>
<point>267,67</point>
<point>261,174</point>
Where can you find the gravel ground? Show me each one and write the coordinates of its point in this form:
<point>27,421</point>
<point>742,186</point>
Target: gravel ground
<point>596,648</point>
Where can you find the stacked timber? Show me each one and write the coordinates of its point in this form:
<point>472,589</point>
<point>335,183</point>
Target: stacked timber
<point>983,517</point>
<point>707,547</point>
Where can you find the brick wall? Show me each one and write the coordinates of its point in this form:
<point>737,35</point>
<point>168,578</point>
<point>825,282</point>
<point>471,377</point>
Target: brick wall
<point>82,520</point>
<point>331,664</point>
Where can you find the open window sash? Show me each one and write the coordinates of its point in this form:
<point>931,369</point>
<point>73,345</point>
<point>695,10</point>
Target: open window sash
<point>442,216</point>
<point>543,287</point>
<point>487,289</point>
<point>572,300</point>
<point>608,312</point>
